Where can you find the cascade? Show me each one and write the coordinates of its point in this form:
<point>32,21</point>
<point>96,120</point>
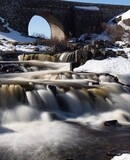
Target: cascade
<point>49,112</point>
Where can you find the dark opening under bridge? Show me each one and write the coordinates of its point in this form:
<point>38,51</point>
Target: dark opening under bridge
<point>66,19</point>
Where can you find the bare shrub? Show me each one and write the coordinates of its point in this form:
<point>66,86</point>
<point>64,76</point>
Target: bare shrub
<point>115,32</point>
<point>55,44</point>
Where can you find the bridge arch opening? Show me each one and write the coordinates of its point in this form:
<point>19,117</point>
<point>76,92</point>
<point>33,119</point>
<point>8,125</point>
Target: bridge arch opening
<point>39,27</point>
<point>47,26</point>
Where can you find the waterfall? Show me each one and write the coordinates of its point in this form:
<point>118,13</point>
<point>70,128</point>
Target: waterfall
<point>54,113</point>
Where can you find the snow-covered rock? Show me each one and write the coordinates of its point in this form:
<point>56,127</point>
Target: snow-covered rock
<point>122,157</point>
<point>118,28</point>
<point>117,65</point>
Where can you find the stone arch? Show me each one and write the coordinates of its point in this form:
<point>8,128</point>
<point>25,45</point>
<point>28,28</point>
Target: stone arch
<point>57,30</point>
<point>39,27</point>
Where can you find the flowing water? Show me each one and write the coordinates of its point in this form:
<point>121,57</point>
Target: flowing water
<point>48,112</point>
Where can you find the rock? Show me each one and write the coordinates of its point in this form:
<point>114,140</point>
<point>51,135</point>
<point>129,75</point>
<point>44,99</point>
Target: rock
<point>126,45</point>
<point>14,43</point>
<point>86,55</point>
<point>112,123</point>
<point>61,47</point>
<point>10,68</point>
<point>126,21</point>
<point>1,43</point>
<point>97,54</point>
<point>84,37</point>
<point>118,19</point>
<point>113,153</point>
<point>88,47</point>
<point>108,53</point>
<point>36,49</point>
<point>121,53</point>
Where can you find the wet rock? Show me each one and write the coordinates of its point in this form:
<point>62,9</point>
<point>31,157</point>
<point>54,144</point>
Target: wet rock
<point>107,78</point>
<point>119,18</point>
<point>84,37</point>
<point>98,55</point>
<point>10,68</point>
<point>86,55</point>
<point>14,43</point>
<point>101,43</point>
<point>113,153</point>
<point>96,50</point>
<point>98,46</point>
<point>2,27</point>
<point>127,45</point>
<point>108,53</point>
<point>88,47</point>
<point>121,53</point>
<point>36,49</point>
<point>113,123</point>
<point>61,47</point>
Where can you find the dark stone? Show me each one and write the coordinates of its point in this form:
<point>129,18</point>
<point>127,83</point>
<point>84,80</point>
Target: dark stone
<point>10,68</point>
<point>74,65</point>
<point>127,45</point>
<point>118,19</point>
<point>122,53</point>
<point>87,55</point>
<point>113,123</point>
<point>113,153</point>
<point>36,49</point>
<point>60,48</point>
<point>88,47</point>
<point>108,53</point>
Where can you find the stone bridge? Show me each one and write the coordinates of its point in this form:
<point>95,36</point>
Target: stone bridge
<point>66,19</point>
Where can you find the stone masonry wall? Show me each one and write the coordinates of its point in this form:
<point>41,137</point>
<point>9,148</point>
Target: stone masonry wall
<point>91,23</point>
<point>73,22</point>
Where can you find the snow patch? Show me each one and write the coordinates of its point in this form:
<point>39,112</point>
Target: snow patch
<point>117,65</point>
<point>13,35</point>
<point>126,15</point>
<point>122,157</point>
<point>93,8</point>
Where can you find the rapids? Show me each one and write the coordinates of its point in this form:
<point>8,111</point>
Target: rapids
<point>48,112</point>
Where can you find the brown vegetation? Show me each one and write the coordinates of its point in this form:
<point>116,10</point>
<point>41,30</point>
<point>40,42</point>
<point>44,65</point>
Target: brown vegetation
<point>115,32</point>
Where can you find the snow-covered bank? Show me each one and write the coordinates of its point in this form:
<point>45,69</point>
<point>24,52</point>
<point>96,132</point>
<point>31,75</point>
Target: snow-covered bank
<point>13,35</point>
<point>118,28</point>
<point>117,65</point>
<point>117,31</point>
<point>7,45</point>
<point>8,39</point>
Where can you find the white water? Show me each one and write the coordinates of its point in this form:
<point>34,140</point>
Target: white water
<point>49,118</point>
